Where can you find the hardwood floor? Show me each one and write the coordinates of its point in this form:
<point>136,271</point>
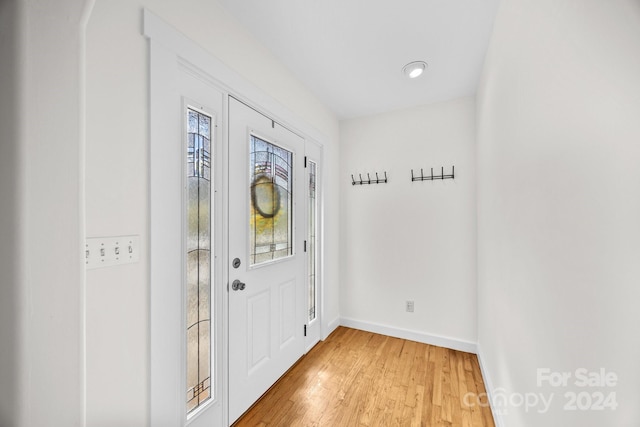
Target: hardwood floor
<point>357,378</point>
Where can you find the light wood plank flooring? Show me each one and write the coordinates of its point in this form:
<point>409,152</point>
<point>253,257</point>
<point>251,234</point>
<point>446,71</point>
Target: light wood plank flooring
<point>357,378</point>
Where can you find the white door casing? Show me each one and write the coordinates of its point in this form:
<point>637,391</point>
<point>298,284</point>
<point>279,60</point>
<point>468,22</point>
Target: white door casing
<point>182,87</point>
<point>313,154</point>
<point>267,317</point>
<point>174,60</point>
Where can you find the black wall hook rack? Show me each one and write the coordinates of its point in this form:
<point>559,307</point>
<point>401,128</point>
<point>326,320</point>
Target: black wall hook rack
<point>377,180</point>
<point>432,177</point>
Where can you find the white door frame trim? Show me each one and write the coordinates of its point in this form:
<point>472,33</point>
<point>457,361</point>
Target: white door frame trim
<point>187,52</point>
<point>225,78</point>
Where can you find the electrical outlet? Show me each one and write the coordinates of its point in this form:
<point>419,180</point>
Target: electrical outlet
<point>409,306</point>
<point>108,251</point>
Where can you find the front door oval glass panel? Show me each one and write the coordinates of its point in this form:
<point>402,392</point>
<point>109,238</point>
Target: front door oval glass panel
<point>271,206</point>
<point>198,259</point>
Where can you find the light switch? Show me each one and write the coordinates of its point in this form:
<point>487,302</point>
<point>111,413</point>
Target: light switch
<point>109,251</point>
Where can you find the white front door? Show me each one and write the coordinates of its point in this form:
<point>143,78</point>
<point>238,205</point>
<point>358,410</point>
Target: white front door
<point>267,230</point>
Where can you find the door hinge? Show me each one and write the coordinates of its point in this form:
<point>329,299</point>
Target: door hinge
<point>305,330</point>
<point>305,161</point>
<point>305,246</point>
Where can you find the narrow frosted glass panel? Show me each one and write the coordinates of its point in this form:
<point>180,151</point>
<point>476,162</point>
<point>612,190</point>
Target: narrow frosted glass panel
<point>204,214</point>
<point>311,250</point>
<point>198,259</point>
<point>205,361</point>
<point>193,302</point>
<point>192,213</point>
<point>270,216</point>
<point>192,368</point>
<point>204,304</point>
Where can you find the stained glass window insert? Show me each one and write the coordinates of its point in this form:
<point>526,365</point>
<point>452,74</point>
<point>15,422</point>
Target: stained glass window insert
<point>271,207</point>
<point>311,251</point>
<point>198,262</point>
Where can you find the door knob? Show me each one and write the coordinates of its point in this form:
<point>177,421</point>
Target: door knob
<point>237,285</point>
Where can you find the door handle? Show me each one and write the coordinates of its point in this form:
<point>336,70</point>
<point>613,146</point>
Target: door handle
<point>237,285</point>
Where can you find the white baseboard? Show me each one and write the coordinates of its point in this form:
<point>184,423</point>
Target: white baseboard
<point>488,385</point>
<point>440,341</point>
<point>331,326</point>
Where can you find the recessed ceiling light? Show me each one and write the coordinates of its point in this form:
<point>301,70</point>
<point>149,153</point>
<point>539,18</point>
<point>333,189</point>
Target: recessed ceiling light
<point>414,69</point>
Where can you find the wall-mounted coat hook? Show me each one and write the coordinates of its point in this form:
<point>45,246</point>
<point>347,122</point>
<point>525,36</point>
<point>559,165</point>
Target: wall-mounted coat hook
<point>361,181</point>
<point>432,177</point>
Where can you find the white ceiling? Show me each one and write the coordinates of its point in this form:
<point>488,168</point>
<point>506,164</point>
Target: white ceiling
<point>350,53</point>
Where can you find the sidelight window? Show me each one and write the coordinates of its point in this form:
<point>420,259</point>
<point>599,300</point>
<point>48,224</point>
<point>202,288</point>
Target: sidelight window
<point>312,250</point>
<point>198,259</point>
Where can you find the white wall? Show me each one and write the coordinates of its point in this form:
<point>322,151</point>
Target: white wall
<point>118,187</point>
<point>559,203</point>
<point>410,240</point>
<point>9,212</point>
<point>41,222</point>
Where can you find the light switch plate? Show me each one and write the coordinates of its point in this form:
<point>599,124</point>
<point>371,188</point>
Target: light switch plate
<point>109,251</point>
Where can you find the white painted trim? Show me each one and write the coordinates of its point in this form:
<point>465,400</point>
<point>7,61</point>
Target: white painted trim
<point>226,78</point>
<point>84,20</point>
<point>331,326</point>
<point>165,397</point>
<point>229,81</point>
<point>315,153</point>
<point>488,385</point>
<point>167,222</point>
<point>166,40</point>
<point>440,341</point>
